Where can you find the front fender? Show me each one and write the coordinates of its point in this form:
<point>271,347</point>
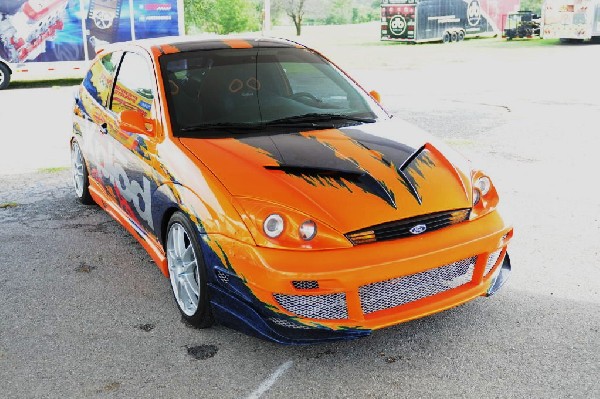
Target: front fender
<point>209,217</point>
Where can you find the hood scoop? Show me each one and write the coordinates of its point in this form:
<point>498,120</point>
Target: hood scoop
<point>345,178</point>
<point>317,171</point>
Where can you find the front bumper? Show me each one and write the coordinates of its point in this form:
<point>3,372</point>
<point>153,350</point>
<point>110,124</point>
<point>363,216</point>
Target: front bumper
<point>305,296</point>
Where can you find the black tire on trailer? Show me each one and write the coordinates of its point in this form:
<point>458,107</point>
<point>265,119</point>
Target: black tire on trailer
<point>453,37</point>
<point>4,76</point>
<point>446,37</point>
<point>461,35</point>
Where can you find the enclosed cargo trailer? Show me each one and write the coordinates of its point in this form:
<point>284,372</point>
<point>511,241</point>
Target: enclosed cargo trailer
<point>38,36</point>
<point>443,20</point>
<point>571,19</point>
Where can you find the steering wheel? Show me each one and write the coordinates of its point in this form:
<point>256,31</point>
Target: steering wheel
<point>304,94</point>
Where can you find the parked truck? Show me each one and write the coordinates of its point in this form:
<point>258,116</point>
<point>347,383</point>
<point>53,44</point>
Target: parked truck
<point>46,35</point>
<point>571,19</point>
<point>443,20</point>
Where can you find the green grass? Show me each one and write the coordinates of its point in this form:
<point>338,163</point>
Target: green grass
<point>460,142</point>
<point>53,170</point>
<point>34,84</point>
<point>7,205</point>
<point>519,43</point>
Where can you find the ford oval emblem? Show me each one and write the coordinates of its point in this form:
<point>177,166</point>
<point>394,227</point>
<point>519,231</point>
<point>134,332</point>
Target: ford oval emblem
<point>418,229</point>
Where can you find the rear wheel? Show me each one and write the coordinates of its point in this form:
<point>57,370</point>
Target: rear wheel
<point>461,35</point>
<point>446,37</point>
<point>187,272</point>
<point>81,180</point>
<point>4,76</point>
<point>453,37</point>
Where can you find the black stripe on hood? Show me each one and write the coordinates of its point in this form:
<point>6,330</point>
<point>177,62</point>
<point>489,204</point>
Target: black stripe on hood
<point>318,164</point>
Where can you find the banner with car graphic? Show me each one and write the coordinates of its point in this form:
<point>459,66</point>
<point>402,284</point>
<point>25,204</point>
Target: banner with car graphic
<point>443,20</point>
<point>72,30</point>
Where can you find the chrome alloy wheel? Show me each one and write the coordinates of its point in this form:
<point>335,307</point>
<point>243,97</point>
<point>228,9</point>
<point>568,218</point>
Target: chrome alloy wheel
<point>2,77</point>
<point>183,269</point>
<point>78,169</point>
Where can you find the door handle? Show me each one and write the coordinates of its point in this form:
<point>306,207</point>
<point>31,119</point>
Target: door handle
<point>104,128</point>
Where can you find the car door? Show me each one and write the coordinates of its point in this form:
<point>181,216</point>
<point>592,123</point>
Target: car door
<point>91,117</point>
<point>133,154</point>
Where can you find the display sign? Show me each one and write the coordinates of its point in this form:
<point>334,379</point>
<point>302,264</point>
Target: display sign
<point>72,30</point>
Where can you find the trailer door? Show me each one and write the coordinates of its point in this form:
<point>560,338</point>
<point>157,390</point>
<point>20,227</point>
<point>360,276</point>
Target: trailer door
<point>398,21</point>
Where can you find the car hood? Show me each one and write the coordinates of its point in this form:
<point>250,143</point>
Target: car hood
<point>349,178</point>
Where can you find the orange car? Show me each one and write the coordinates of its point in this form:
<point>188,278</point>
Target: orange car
<point>276,194</point>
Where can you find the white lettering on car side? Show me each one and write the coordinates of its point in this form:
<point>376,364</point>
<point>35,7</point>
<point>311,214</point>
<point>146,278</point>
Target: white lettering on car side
<point>109,162</point>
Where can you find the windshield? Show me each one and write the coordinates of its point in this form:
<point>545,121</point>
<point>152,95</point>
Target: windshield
<point>227,89</point>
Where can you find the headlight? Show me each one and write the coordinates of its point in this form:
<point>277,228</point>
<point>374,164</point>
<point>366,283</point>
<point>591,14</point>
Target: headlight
<point>485,197</point>
<point>308,230</point>
<point>273,225</point>
<point>476,195</point>
<point>484,184</point>
<point>277,226</point>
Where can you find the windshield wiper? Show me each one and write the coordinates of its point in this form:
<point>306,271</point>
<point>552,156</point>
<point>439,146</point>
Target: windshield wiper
<point>222,126</point>
<point>317,118</point>
<point>308,120</point>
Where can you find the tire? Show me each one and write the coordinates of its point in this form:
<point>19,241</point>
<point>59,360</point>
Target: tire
<point>4,76</point>
<point>446,37</point>
<point>461,35</point>
<point>187,272</point>
<point>81,180</point>
<point>453,37</point>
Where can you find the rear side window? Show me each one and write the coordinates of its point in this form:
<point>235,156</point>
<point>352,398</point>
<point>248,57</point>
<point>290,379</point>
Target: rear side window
<point>134,88</point>
<point>100,78</point>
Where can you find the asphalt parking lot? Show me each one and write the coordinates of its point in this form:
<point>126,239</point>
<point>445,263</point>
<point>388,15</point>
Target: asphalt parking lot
<point>85,313</point>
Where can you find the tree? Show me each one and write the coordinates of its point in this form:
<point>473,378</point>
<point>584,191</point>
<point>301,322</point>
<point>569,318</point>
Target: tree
<point>235,16</point>
<point>532,5</point>
<point>220,16</point>
<point>295,10</point>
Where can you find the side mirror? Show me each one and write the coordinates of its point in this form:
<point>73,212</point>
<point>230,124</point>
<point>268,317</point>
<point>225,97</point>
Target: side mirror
<point>135,122</point>
<point>376,96</point>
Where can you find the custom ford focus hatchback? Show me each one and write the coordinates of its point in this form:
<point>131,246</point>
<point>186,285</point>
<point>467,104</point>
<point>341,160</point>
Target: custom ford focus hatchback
<point>276,194</point>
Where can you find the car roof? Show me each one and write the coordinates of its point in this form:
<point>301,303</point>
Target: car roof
<point>175,44</point>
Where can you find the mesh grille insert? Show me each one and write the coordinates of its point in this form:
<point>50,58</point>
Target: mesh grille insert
<point>402,228</point>
<point>399,291</point>
<point>305,284</point>
<point>492,259</point>
<point>288,324</point>
<point>330,306</point>
<point>224,278</point>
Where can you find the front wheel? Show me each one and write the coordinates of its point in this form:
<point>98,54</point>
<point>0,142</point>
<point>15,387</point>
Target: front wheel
<point>4,76</point>
<point>81,179</point>
<point>187,272</point>
<point>446,37</point>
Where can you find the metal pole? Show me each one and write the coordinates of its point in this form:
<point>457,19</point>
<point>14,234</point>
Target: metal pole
<point>267,18</point>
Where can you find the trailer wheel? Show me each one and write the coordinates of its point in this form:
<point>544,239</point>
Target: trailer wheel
<point>4,76</point>
<point>461,35</point>
<point>453,37</point>
<point>446,37</point>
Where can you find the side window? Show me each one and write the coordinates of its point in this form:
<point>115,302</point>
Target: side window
<point>99,79</point>
<point>307,78</point>
<point>134,87</point>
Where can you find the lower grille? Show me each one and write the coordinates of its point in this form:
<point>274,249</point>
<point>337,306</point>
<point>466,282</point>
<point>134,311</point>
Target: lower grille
<point>492,259</point>
<point>288,324</point>
<point>328,307</point>
<point>402,290</point>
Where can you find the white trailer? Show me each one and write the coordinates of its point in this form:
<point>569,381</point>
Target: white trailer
<point>571,19</point>
<point>42,38</point>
